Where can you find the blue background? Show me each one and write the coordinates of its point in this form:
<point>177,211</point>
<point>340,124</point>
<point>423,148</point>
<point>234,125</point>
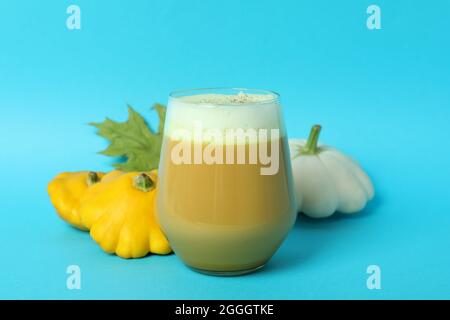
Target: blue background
<point>382,96</point>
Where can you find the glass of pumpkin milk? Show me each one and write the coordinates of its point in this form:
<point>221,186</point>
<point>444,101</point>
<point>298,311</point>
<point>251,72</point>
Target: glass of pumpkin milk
<point>225,196</point>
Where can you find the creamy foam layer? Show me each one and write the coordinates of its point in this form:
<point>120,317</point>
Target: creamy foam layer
<point>222,112</point>
<point>228,99</point>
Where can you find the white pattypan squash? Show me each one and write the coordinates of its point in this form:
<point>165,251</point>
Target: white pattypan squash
<point>326,180</point>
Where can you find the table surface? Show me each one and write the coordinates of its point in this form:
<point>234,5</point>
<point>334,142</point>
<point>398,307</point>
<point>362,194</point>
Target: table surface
<point>382,96</point>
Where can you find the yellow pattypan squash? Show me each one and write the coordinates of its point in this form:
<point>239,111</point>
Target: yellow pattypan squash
<point>120,212</point>
<point>66,190</point>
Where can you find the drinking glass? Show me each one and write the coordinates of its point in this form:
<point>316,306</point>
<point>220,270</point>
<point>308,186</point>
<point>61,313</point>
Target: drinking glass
<point>225,196</point>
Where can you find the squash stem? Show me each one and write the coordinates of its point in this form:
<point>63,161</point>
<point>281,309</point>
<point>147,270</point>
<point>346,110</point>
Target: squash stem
<point>92,178</point>
<point>143,182</point>
<point>311,144</point>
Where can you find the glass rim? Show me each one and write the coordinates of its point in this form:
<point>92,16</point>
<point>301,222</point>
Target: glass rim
<point>180,93</point>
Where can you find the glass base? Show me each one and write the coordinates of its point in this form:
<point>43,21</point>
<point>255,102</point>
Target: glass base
<point>232,273</point>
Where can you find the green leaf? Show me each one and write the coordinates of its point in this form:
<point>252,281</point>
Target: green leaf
<point>133,139</point>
